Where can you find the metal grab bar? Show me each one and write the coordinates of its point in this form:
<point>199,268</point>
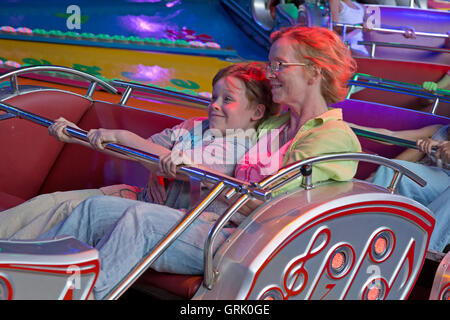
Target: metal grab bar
<point>130,87</point>
<point>170,237</point>
<point>263,184</point>
<point>135,154</point>
<point>374,44</point>
<point>93,80</point>
<point>389,87</point>
<point>208,254</point>
<point>398,84</point>
<point>391,30</point>
<point>399,87</point>
<point>381,137</point>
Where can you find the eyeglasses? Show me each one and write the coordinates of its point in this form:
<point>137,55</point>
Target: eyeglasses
<point>276,65</point>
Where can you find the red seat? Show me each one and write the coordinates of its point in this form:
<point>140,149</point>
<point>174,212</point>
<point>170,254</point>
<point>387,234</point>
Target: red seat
<point>8,201</point>
<point>31,152</point>
<point>170,285</point>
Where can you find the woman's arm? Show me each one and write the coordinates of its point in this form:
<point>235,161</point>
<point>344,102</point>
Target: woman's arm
<point>335,8</point>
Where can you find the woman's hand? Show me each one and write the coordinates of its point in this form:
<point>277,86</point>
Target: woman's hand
<point>99,138</point>
<point>58,130</point>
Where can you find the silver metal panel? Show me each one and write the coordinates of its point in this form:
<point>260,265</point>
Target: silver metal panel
<point>441,284</point>
<point>63,268</point>
<point>280,245</point>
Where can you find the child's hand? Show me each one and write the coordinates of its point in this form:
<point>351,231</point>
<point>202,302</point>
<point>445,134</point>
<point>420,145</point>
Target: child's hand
<point>430,86</point>
<point>58,129</point>
<point>98,138</point>
<point>169,162</point>
<point>426,144</point>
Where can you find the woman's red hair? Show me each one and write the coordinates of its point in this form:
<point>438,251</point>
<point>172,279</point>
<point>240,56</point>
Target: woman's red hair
<point>324,49</point>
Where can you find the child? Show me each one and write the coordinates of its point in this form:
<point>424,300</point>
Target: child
<point>241,99</point>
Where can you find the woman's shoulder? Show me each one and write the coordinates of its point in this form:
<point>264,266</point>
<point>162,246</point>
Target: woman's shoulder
<point>273,122</point>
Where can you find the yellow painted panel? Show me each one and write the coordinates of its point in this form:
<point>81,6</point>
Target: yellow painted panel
<point>162,69</point>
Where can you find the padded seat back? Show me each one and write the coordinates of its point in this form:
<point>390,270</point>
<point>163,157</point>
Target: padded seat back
<point>28,152</point>
<point>79,167</point>
<point>403,71</point>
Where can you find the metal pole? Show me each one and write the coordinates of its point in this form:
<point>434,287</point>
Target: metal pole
<point>165,242</point>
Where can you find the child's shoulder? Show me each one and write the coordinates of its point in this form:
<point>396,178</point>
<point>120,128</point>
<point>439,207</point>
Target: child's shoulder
<point>192,122</point>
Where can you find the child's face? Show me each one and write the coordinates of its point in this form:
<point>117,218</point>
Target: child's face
<point>229,107</point>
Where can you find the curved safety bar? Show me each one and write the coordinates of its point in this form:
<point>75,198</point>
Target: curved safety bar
<point>130,87</point>
<point>50,68</point>
<point>399,169</point>
<point>398,87</point>
<point>357,77</point>
<point>391,30</point>
<point>208,279</point>
<point>375,44</point>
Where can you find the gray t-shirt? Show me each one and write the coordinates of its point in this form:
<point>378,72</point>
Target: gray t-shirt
<point>207,147</point>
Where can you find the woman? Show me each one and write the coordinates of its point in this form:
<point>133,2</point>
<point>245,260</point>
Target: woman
<point>309,68</point>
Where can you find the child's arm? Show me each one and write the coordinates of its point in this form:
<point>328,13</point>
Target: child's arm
<point>412,155</point>
<point>100,137</point>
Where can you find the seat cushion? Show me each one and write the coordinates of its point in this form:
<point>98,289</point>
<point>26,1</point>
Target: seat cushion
<point>8,201</point>
<point>182,286</point>
<point>28,152</point>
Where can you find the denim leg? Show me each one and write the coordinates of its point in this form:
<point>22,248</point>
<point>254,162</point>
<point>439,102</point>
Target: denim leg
<point>441,233</point>
<point>37,215</point>
<point>91,219</point>
<point>136,233</point>
<point>437,181</point>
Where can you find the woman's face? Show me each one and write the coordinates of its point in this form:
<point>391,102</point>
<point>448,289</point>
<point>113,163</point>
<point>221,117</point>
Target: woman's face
<point>290,82</point>
<point>230,107</point>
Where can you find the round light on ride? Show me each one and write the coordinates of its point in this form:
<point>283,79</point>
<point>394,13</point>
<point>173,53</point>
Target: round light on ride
<point>382,246</point>
<point>340,261</point>
<point>375,290</point>
<point>272,295</point>
<point>5,288</point>
<point>445,294</point>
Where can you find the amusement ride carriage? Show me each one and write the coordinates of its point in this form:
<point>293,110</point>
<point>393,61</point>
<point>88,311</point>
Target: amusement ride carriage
<point>331,240</point>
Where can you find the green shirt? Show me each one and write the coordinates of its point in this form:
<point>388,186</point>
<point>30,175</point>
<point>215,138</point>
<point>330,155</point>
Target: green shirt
<point>325,134</point>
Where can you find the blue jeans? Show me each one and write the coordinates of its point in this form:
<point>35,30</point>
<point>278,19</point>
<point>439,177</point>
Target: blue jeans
<point>441,233</point>
<point>435,195</point>
<point>125,231</point>
<point>437,181</point>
